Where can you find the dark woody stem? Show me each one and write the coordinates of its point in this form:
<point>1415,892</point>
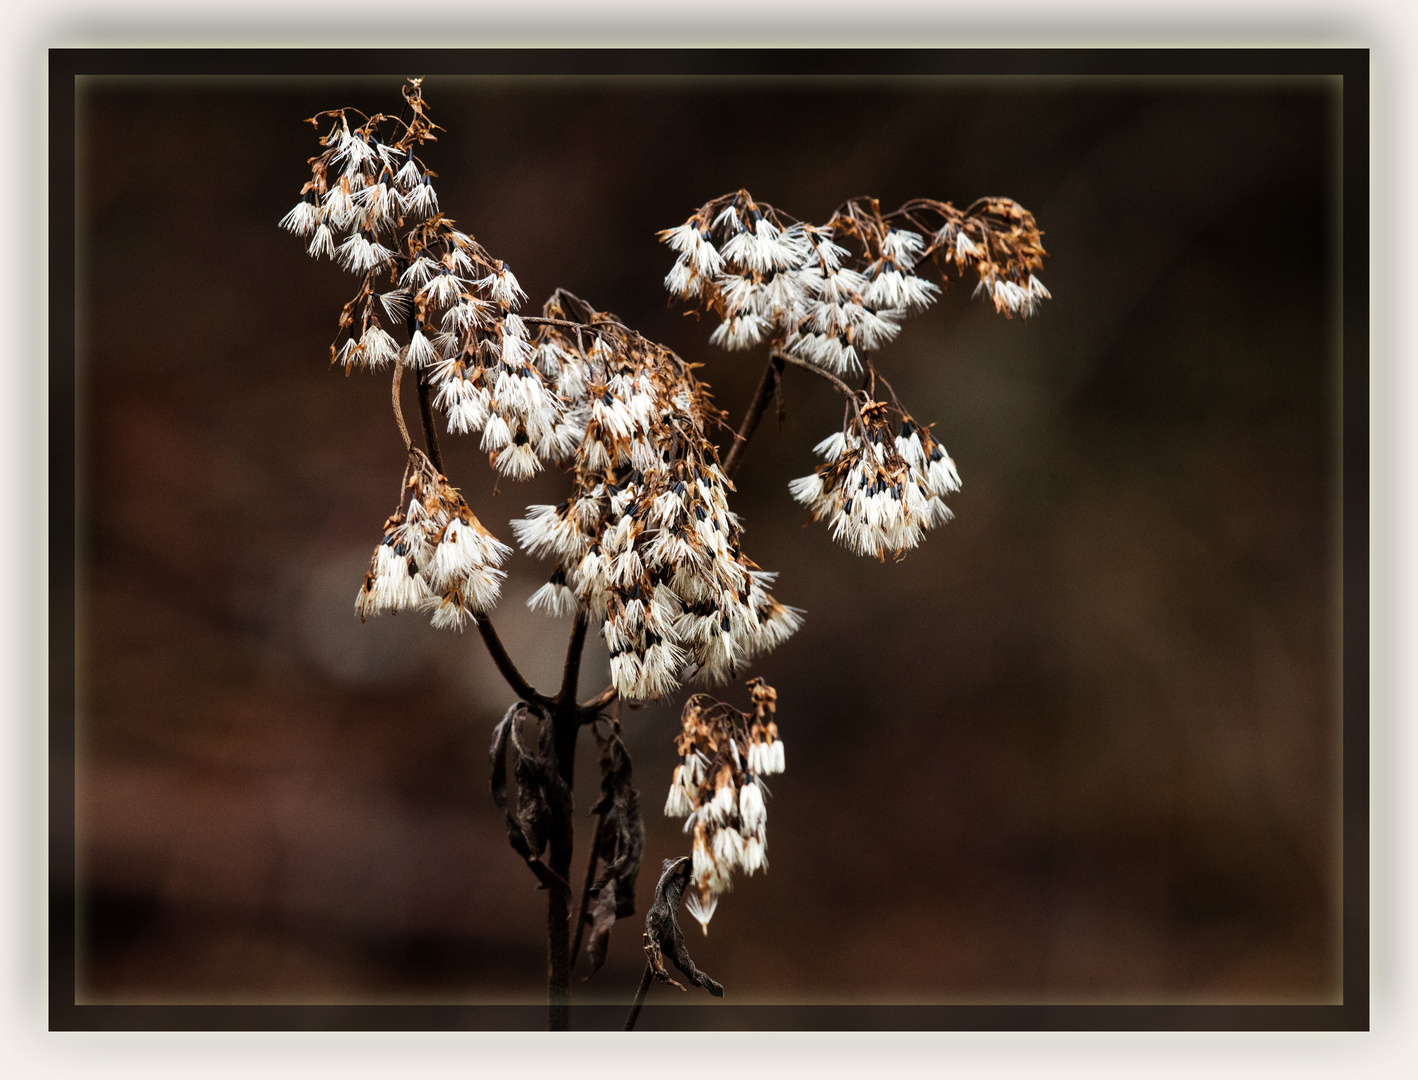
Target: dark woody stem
<point>566,726</point>
<point>567,716</point>
<point>767,385</point>
<point>591,707</point>
<point>564,718</point>
<point>590,878</point>
<point>639,998</point>
<point>558,965</point>
<point>571,670</point>
<point>430,432</point>
<point>505,666</point>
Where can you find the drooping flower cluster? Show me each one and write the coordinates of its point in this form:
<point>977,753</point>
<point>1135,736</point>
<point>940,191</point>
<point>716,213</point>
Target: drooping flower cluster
<point>827,296</point>
<point>363,190</point>
<point>435,555</point>
<point>773,278</point>
<point>646,542</point>
<point>883,484</point>
<point>453,303</point>
<point>718,789</point>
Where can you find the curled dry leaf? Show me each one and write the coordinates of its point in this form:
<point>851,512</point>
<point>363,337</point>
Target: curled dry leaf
<point>620,843</point>
<point>540,790</point>
<point>662,932</point>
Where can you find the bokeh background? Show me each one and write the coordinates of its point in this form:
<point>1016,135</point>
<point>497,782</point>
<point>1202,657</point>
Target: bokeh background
<point>1081,746</point>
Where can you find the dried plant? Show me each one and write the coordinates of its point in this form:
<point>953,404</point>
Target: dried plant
<point>645,546</point>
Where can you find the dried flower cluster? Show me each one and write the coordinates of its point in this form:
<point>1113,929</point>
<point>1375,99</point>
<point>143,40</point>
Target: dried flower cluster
<point>884,482</point>
<point>773,278</point>
<point>645,546</point>
<point>776,279</point>
<point>646,542</point>
<point>435,556</point>
<point>718,789</point>
<point>454,303</point>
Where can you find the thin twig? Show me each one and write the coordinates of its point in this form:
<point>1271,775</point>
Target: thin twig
<point>591,706</point>
<point>524,690</point>
<point>878,377</point>
<point>586,892</point>
<point>639,999</point>
<point>607,327</point>
<point>842,388</point>
<point>764,394</point>
<point>398,405</point>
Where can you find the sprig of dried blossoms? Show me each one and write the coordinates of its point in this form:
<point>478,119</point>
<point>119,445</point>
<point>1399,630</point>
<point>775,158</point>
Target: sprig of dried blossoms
<point>718,789</point>
<point>829,305</point>
<point>644,546</point>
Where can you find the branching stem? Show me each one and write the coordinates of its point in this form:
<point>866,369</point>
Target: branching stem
<point>567,716</point>
<point>524,690</point>
<point>772,372</point>
<point>565,720</point>
<point>591,706</point>
<point>571,670</point>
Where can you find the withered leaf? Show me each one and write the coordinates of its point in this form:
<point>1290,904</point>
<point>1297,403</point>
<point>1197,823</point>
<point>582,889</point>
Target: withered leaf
<point>662,932</point>
<point>619,844</point>
<point>527,796</point>
<point>533,812</point>
<point>601,916</point>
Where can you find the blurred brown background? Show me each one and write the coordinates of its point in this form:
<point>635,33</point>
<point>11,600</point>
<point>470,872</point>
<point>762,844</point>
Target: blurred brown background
<point>1081,746</point>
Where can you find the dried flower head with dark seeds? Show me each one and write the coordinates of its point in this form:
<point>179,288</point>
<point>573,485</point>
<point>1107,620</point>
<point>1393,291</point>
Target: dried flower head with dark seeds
<point>435,556</point>
<point>883,484</point>
<point>718,789</point>
<point>830,293</point>
<point>646,541</point>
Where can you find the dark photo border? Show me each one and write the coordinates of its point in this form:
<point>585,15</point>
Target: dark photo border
<point>1350,65</point>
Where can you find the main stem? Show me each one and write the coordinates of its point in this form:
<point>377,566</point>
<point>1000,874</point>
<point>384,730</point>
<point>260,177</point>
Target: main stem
<point>566,725</point>
<point>561,712</point>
